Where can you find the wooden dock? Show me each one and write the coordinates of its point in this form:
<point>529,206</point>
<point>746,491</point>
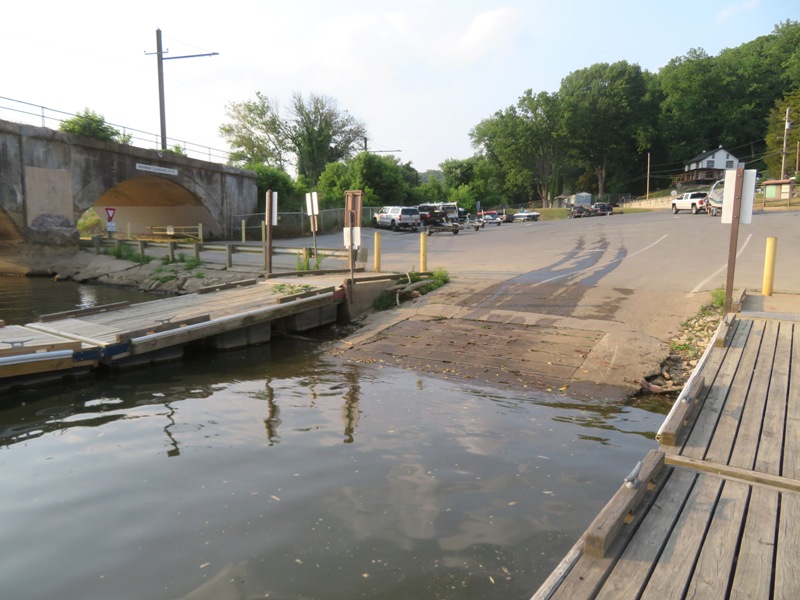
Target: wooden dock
<point>714,511</point>
<point>225,317</point>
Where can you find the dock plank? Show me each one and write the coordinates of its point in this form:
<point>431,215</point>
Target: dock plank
<point>727,427</point>
<point>770,448</point>
<point>787,567</point>
<point>749,415</point>
<point>673,569</point>
<point>753,578</point>
<point>718,552</point>
<point>791,450</point>
<point>700,434</point>
<point>634,566</point>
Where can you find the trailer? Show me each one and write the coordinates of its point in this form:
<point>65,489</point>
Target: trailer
<point>714,199</point>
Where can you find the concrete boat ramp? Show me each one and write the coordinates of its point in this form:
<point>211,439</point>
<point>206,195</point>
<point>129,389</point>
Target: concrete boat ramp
<point>120,335</point>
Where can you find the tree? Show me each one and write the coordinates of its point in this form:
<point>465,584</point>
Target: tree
<point>291,197</point>
<point>775,131</point>
<point>602,107</point>
<point>256,133</point>
<point>320,134</point>
<point>90,124</point>
<point>526,143</point>
<point>313,134</point>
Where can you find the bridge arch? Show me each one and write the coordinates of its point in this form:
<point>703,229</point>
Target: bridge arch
<point>146,201</point>
<point>53,178</point>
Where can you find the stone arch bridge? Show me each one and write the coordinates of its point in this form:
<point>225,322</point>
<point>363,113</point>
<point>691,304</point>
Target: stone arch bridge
<point>48,179</point>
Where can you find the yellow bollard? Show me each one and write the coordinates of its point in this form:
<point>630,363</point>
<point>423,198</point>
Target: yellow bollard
<point>423,252</point>
<point>376,261</point>
<point>769,266</point>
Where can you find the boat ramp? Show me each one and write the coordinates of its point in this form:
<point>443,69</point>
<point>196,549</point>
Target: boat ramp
<point>714,511</point>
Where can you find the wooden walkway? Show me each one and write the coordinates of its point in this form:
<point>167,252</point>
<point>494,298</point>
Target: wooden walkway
<point>236,316</point>
<point>714,512</point>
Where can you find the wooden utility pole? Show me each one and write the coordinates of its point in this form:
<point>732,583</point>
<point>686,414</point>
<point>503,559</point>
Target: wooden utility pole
<point>647,195</point>
<point>786,127</point>
<point>160,53</point>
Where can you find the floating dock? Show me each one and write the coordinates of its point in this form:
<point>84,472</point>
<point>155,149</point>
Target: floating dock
<point>121,335</point>
<point>714,512</point>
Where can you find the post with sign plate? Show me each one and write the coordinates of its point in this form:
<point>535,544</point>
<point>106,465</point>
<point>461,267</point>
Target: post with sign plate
<point>737,209</point>
<point>111,227</point>
<point>352,228</point>
<point>271,219</point>
<point>312,208</point>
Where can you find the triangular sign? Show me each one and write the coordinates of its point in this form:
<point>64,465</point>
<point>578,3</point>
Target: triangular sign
<point>110,213</point>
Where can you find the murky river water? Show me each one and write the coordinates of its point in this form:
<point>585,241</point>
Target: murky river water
<point>277,472</point>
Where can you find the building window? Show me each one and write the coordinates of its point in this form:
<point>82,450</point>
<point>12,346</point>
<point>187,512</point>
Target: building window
<point>727,156</point>
<point>710,175</point>
<point>709,164</point>
<point>728,164</point>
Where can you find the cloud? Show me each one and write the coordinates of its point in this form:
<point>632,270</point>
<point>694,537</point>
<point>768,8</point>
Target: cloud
<point>733,10</point>
<point>487,32</point>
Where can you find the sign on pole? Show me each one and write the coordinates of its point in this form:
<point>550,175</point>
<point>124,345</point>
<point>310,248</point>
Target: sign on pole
<point>748,193</point>
<point>274,209</point>
<point>110,212</point>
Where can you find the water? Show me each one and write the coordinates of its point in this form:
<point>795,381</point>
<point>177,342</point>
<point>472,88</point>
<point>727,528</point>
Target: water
<point>25,299</point>
<point>279,472</point>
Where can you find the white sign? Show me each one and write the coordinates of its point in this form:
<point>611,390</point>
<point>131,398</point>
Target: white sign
<point>356,237</point>
<point>111,227</point>
<point>274,221</point>
<point>312,204</point>
<point>156,169</point>
<point>748,193</point>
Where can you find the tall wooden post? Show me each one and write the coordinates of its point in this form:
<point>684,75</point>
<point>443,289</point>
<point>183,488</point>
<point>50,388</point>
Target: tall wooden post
<point>734,242</point>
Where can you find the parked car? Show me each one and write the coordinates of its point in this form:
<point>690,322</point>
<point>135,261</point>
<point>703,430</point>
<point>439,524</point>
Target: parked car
<point>579,211</point>
<point>397,217</point>
<point>525,215</point>
<point>691,201</point>
<point>491,217</point>
<point>602,208</point>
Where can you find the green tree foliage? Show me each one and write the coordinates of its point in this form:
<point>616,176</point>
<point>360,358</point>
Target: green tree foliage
<point>526,143</point>
<point>602,108</point>
<point>775,132</point>
<point>313,134</point>
<point>291,196</point>
<point>90,124</point>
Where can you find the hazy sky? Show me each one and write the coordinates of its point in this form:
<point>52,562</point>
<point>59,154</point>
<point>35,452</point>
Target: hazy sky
<point>419,73</point>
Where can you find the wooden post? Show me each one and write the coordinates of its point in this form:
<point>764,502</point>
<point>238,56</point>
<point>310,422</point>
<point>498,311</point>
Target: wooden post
<point>197,248</point>
<point>142,245</point>
<point>200,231</point>
<point>734,241</point>
<point>244,233</point>
<point>171,251</point>
<point>229,255</point>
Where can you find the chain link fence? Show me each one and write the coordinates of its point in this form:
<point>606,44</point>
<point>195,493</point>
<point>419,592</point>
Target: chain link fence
<point>295,224</point>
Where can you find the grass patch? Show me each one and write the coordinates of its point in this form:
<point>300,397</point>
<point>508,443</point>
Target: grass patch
<point>437,279</point>
<point>289,289</point>
<point>125,252</point>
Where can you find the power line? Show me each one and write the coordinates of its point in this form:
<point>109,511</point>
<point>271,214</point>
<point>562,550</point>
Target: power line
<point>161,60</point>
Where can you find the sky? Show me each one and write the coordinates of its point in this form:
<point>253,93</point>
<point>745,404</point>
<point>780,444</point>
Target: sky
<point>420,74</point>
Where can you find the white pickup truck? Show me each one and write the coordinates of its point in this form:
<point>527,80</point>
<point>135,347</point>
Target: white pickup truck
<point>693,201</point>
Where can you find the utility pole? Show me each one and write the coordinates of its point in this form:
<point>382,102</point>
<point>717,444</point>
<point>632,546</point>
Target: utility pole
<point>160,53</point>
<point>376,151</point>
<point>786,127</point>
<point>647,194</point>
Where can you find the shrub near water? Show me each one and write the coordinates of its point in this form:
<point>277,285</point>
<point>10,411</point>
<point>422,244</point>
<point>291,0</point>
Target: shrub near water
<point>437,279</point>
